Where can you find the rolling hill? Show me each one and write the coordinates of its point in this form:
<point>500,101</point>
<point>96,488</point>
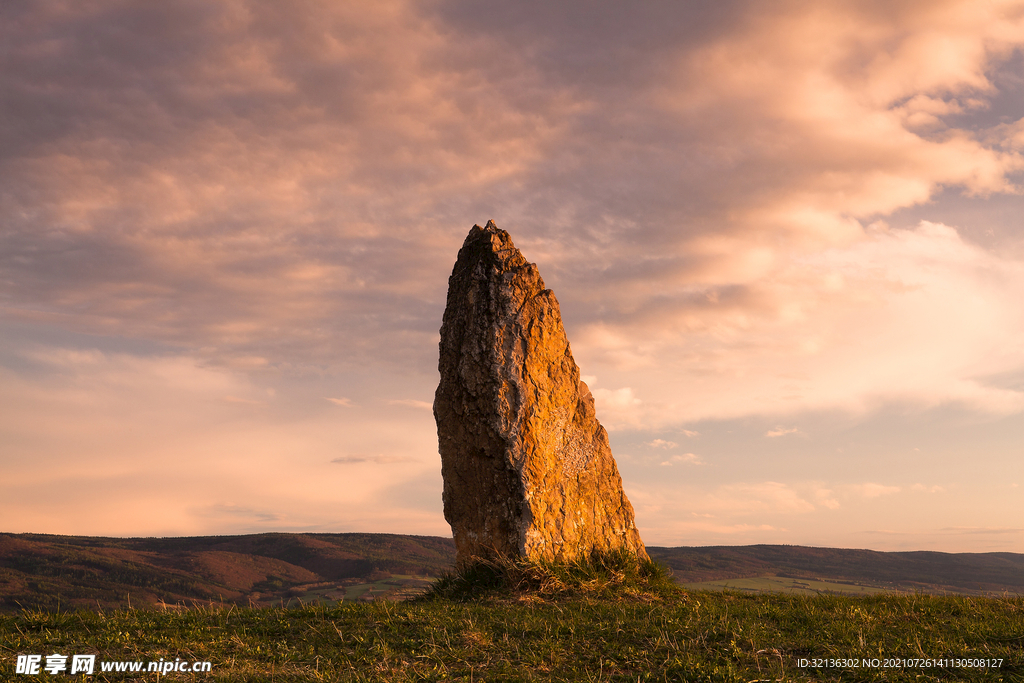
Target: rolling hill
<point>52,572</point>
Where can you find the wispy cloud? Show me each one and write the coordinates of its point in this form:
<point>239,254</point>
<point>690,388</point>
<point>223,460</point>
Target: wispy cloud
<point>685,458</point>
<point>240,511</point>
<point>781,431</point>
<point>412,403</point>
<point>849,329</point>
<point>874,490</point>
<point>982,530</point>
<point>375,459</point>
<point>246,401</point>
<point>617,408</point>
<point>768,496</point>
<point>216,215</point>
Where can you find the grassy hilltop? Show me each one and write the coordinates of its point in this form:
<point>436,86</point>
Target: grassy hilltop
<point>699,636</point>
<point>604,621</point>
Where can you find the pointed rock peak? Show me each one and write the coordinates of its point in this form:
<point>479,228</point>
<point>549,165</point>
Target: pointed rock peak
<point>527,468</point>
<point>488,231</point>
<point>491,244</point>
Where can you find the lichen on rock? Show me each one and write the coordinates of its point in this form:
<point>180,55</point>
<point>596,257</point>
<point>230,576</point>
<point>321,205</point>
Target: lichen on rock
<point>527,468</point>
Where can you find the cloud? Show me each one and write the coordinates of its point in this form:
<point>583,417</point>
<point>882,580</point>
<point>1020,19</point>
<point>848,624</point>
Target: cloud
<point>749,497</point>
<point>660,443</point>
<point>825,498</point>
<point>687,458</point>
<point>250,179</point>
<point>207,203</point>
<point>106,431</point>
<point>617,408</point>
<point>848,81</point>
<point>873,490</point>
<point>982,530</point>
<point>344,402</point>
<point>727,529</point>
<point>781,431</point>
<point>412,403</point>
<point>376,459</point>
<point>292,187</point>
<point>919,316</point>
<point>243,512</point>
<point>247,401</point>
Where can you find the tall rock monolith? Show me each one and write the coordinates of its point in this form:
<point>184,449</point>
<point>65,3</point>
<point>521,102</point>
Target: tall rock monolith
<point>527,468</point>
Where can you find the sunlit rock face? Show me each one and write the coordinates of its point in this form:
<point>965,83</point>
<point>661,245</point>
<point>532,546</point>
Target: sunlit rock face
<point>527,468</point>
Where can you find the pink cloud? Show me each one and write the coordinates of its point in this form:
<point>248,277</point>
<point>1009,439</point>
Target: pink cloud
<point>235,200</point>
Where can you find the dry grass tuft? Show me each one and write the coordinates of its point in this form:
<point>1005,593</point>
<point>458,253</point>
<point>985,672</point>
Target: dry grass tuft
<point>601,575</point>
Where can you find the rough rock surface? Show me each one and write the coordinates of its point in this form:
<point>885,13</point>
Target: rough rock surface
<point>527,468</point>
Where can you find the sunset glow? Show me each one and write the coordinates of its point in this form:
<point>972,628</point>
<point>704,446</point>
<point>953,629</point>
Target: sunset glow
<point>787,242</point>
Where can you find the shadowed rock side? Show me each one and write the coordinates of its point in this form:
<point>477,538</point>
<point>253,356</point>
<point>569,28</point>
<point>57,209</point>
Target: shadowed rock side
<point>527,468</point>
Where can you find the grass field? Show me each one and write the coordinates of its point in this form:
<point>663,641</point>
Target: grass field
<point>788,585</point>
<point>394,587</point>
<point>699,636</point>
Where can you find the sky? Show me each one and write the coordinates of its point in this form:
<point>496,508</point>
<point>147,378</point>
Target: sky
<point>786,240</point>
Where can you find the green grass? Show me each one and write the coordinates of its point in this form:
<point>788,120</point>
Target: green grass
<point>721,636</point>
<point>601,575</point>
<point>783,584</point>
<point>395,587</point>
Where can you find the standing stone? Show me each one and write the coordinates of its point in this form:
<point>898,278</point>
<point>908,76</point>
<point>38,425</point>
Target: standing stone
<point>527,468</point>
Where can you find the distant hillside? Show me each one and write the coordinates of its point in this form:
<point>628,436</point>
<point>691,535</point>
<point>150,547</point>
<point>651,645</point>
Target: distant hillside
<point>73,571</point>
<point>905,571</point>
